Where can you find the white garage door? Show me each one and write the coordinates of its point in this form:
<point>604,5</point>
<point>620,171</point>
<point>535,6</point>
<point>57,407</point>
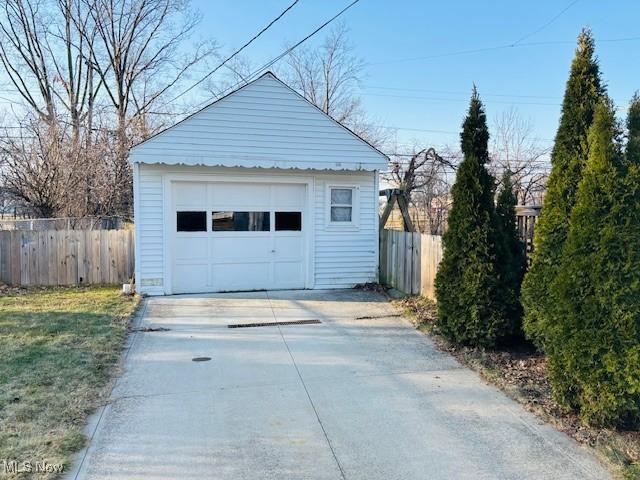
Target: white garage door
<point>238,236</point>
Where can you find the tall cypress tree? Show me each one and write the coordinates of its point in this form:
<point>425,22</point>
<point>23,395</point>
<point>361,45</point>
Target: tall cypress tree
<point>583,92</point>
<point>632,154</point>
<point>594,345</point>
<point>467,282</point>
<point>512,260</point>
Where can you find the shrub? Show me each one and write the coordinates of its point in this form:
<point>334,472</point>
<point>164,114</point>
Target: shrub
<point>467,282</point>
<point>512,260</point>
<point>593,339</point>
<point>583,91</point>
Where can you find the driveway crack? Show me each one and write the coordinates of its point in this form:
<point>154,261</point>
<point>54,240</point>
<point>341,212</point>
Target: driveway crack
<point>304,385</point>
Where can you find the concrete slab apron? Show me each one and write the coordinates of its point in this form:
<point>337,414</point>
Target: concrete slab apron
<point>349,398</point>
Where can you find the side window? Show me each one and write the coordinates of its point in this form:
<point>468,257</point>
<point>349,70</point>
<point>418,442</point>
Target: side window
<point>341,204</point>
<point>191,221</point>
<point>288,221</point>
<point>240,221</point>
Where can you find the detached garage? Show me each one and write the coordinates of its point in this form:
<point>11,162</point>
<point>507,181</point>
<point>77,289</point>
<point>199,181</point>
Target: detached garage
<point>259,190</point>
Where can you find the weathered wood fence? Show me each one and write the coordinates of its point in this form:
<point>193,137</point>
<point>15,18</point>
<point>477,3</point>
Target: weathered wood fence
<point>409,261</point>
<point>66,257</point>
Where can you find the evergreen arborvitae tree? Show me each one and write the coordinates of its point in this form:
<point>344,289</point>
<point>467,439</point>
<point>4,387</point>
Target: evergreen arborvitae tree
<point>594,345</point>
<point>512,260</point>
<point>583,92</point>
<point>467,282</point>
<point>632,153</point>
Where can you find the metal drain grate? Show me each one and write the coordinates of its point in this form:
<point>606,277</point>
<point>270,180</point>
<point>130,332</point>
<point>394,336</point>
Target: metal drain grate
<point>273,324</point>
<point>201,359</point>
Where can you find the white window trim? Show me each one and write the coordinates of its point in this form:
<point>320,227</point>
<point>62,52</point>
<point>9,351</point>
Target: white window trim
<point>354,224</point>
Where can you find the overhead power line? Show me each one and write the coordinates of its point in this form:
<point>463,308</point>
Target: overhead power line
<point>463,100</point>
<point>282,14</point>
<point>292,48</point>
<point>458,92</point>
<point>499,47</point>
<point>271,62</point>
<point>549,22</point>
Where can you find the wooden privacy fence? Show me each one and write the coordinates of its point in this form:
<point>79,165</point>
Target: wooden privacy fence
<point>409,261</point>
<point>66,257</point>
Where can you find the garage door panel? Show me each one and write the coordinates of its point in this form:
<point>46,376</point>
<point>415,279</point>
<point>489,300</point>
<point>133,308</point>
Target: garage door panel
<point>245,251</point>
<point>190,194</point>
<point>239,196</point>
<point>190,278</point>
<point>240,248</point>
<point>287,196</point>
<point>244,276</point>
<point>288,247</point>
<point>189,248</point>
<point>288,274</point>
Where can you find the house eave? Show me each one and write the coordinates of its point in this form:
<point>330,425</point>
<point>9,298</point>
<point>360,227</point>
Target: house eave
<point>263,163</point>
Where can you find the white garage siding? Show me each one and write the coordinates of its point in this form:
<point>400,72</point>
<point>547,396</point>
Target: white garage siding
<point>345,257</point>
<point>265,124</point>
<point>149,221</point>
<point>342,257</point>
<point>263,132</point>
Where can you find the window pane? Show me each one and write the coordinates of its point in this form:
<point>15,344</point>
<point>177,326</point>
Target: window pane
<point>291,221</point>
<point>340,214</point>
<point>240,221</point>
<point>341,196</point>
<point>191,221</point>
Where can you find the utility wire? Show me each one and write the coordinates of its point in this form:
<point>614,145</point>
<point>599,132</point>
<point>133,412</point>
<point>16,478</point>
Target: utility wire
<point>282,14</point>
<point>539,29</point>
<point>283,54</point>
<point>499,47</point>
<point>290,49</point>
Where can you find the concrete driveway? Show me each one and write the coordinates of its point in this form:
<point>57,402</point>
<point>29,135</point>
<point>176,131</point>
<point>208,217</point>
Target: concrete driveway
<point>360,395</point>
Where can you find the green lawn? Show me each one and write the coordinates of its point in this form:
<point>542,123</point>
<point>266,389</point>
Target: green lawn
<point>58,349</point>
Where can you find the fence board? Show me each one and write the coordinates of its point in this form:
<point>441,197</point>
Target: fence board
<point>415,262</point>
<point>389,255</point>
<point>400,263</point>
<point>409,261</point>
<point>5,252</point>
<point>66,257</point>
<point>94,257</point>
<point>15,258</point>
<point>383,266</point>
<point>71,241</point>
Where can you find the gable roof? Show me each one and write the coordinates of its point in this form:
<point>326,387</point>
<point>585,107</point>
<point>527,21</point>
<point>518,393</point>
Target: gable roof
<point>263,124</point>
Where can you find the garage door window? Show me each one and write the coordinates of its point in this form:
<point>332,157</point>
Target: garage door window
<point>240,221</point>
<point>191,221</point>
<point>341,204</point>
<point>288,221</point>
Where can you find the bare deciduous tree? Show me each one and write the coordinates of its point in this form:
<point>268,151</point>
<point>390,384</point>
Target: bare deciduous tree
<point>40,167</point>
<point>328,76</point>
<point>423,178</point>
<point>138,59</point>
<point>236,72</point>
<point>97,74</point>
<point>515,148</point>
<point>43,48</point>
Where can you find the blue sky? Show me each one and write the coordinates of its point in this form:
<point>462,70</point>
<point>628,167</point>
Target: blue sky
<point>432,93</point>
